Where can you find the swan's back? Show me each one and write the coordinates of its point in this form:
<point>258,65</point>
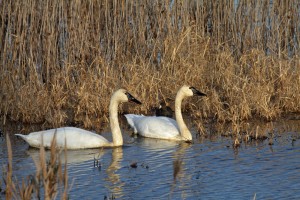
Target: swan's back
<point>154,127</point>
<point>75,138</point>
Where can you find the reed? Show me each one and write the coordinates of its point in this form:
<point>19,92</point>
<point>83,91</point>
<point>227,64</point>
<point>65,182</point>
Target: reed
<point>9,183</point>
<point>49,177</point>
<point>61,60</point>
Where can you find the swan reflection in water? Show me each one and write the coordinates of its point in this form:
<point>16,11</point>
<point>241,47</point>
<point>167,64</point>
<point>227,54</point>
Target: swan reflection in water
<point>181,179</point>
<point>78,157</point>
<point>160,153</point>
<point>113,180</point>
<point>72,156</point>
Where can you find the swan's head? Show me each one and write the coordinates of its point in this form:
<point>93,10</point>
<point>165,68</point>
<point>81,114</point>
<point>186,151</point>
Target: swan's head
<point>191,91</point>
<point>123,96</point>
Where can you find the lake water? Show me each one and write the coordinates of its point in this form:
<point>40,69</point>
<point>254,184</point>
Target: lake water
<point>207,169</point>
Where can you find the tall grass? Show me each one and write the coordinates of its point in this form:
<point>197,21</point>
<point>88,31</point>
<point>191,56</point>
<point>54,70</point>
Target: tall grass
<point>61,60</point>
<point>48,178</point>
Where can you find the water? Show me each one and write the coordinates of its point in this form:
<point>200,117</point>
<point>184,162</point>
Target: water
<point>207,169</point>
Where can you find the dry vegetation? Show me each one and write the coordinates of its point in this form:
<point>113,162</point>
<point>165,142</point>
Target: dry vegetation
<point>61,60</point>
<point>46,183</point>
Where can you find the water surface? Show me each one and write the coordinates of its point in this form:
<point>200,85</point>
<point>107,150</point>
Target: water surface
<point>209,168</point>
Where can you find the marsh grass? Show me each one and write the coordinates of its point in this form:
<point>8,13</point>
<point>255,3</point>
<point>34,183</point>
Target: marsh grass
<point>61,60</point>
<point>49,177</point>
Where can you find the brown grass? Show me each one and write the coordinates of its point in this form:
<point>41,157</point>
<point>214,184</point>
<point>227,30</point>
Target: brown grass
<point>49,176</point>
<point>61,60</point>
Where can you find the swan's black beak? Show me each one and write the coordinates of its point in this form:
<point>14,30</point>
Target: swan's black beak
<point>197,92</point>
<point>132,99</point>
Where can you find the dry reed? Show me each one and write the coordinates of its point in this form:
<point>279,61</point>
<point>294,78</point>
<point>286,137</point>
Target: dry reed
<point>48,178</point>
<point>61,60</point>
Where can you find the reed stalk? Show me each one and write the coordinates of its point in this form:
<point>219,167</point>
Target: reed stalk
<point>48,178</point>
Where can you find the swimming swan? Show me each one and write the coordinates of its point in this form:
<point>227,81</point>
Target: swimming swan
<point>76,138</point>
<point>164,127</point>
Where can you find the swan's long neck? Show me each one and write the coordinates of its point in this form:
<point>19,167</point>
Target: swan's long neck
<point>184,131</point>
<point>114,123</point>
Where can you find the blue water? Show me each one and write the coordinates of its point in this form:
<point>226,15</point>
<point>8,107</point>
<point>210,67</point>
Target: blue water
<point>206,169</point>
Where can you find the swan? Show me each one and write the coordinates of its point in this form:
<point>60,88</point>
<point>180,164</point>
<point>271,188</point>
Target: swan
<point>76,138</point>
<point>164,127</point>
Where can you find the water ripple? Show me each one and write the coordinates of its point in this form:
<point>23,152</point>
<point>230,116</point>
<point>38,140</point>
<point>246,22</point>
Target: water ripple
<point>149,168</point>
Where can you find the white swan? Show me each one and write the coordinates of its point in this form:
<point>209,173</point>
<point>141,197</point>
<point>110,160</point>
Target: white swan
<point>164,127</point>
<point>76,138</point>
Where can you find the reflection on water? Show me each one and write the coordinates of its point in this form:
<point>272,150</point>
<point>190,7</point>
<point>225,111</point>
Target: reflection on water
<point>180,175</point>
<point>209,168</point>
<point>114,183</point>
<point>73,156</point>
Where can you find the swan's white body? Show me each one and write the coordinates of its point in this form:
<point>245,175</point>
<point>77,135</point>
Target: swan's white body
<point>164,127</point>
<point>76,138</point>
<point>154,127</point>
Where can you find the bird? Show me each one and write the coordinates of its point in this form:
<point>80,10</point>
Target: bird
<point>161,127</point>
<point>77,138</point>
<point>164,110</point>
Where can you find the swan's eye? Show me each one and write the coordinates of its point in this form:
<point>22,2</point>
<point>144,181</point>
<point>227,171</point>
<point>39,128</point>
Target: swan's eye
<point>197,92</point>
<point>131,98</point>
<point>128,95</point>
<point>193,89</point>
<point>189,142</point>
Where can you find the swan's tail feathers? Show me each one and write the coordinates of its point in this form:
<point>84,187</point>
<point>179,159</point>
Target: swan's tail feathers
<point>24,137</point>
<point>130,119</point>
